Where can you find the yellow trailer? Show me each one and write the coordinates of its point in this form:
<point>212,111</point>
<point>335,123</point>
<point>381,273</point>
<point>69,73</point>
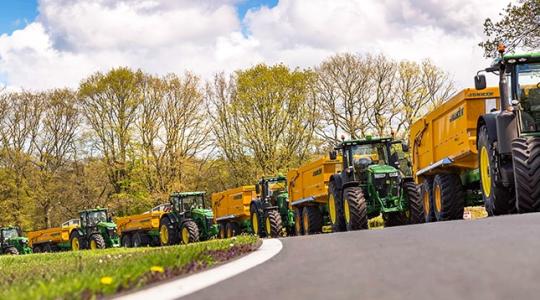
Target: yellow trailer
<point>141,230</point>
<point>231,210</point>
<point>445,155</point>
<point>52,239</point>
<point>308,193</point>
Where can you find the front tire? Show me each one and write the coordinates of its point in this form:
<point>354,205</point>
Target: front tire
<point>11,251</point>
<point>166,234</point>
<point>273,225</point>
<point>526,156</point>
<point>255,221</point>
<point>355,209</point>
<point>448,197</point>
<point>190,232</point>
<point>76,242</point>
<point>498,200</point>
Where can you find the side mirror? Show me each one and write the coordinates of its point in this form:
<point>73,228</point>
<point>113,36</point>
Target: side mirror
<point>333,155</point>
<point>480,81</point>
<point>405,147</point>
<point>257,188</point>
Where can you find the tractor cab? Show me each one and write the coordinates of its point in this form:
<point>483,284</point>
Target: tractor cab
<point>188,201</point>
<point>270,189</point>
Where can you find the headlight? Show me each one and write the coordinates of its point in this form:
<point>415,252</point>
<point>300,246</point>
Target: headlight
<point>379,176</point>
<point>394,174</point>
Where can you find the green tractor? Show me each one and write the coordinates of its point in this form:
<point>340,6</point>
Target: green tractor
<point>13,242</point>
<point>375,179</point>
<point>188,221</point>
<point>97,231</point>
<point>271,208</point>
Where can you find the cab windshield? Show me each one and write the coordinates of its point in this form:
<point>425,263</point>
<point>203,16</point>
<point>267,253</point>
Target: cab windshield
<point>96,217</point>
<point>189,202</point>
<point>10,233</point>
<point>371,153</point>
<point>528,93</point>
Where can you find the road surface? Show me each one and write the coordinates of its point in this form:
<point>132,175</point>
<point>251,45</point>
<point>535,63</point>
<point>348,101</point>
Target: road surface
<point>494,258</point>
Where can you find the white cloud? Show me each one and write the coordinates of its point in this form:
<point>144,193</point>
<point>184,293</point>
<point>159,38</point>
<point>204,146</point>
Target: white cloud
<point>70,39</point>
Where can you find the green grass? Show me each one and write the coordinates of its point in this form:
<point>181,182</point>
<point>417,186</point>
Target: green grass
<point>90,274</point>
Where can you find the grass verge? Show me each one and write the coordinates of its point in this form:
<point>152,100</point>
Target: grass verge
<point>92,274</point>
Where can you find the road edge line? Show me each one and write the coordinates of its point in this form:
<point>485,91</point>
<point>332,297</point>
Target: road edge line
<point>198,281</point>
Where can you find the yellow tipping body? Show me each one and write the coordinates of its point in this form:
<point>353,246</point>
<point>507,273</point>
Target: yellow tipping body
<point>311,180</point>
<point>54,235</point>
<point>448,133</point>
<point>233,203</point>
<point>146,222</point>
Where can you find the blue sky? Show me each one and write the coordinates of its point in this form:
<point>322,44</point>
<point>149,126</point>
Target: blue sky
<point>14,14</point>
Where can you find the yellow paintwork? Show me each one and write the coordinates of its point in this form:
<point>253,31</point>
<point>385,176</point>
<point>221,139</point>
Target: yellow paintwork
<point>75,245</point>
<point>255,222</point>
<point>54,235</point>
<point>93,245</point>
<point>437,198</point>
<point>147,221</point>
<point>233,202</point>
<point>185,235</point>
<point>427,203</point>
<point>485,177</point>
<point>268,226</point>
<point>347,211</point>
<point>332,208</point>
<point>311,180</point>
<point>449,131</point>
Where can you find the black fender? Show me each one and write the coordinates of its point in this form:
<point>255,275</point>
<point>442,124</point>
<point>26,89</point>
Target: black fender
<point>258,205</point>
<point>351,184</point>
<point>172,217</point>
<point>490,121</point>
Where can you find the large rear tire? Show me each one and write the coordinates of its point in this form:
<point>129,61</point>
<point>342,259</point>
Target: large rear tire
<point>355,209</point>
<point>335,208</point>
<point>448,197</point>
<point>426,193</point>
<point>498,199</point>
<point>272,224</point>
<point>97,242</point>
<point>189,232</point>
<point>222,231</point>
<point>298,228</point>
<point>126,240</point>
<point>311,220</point>
<point>415,213</point>
<point>526,156</point>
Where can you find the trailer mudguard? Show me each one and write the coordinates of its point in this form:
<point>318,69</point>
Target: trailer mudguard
<point>490,120</point>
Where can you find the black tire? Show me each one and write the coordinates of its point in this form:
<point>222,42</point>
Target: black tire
<point>230,230</point>
<point>99,240</point>
<point>498,200</point>
<point>11,251</point>
<point>126,240</point>
<point>357,206</point>
<point>222,231</point>
<point>526,157</point>
<point>172,235</point>
<point>414,202</point>
<point>334,195</point>
<point>272,224</point>
<point>47,248</point>
<point>311,220</point>
<point>426,194</point>
<point>136,240</point>
<point>36,249</point>
<point>82,243</point>
<point>255,214</point>
<point>452,197</point>
<point>192,232</point>
<point>298,228</point>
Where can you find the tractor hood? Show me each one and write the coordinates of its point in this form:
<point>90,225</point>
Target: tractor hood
<point>19,239</point>
<point>107,225</point>
<point>203,212</point>
<point>383,169</point>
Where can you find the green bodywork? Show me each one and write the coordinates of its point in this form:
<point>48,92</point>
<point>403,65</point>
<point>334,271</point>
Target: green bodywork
<point>11,238</point>
<point>97,221</point>
<point>381,180</point>
<point>195,210</point>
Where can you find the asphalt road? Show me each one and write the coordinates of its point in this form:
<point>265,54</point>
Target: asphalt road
<point>494,258</point>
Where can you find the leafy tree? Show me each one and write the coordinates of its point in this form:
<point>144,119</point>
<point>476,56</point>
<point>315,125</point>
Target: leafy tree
<point>518,28</point>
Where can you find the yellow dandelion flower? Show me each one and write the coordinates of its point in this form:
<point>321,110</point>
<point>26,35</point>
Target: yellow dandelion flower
<point>157,269</point>
<point>106,280</point>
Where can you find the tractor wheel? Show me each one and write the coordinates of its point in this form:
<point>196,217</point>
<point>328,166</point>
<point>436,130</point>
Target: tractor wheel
<point>166,234</point>
<point>426,194</point>
<point>47,248</point>
<point>311,220</point>
<point>395,219</point>
<point>11,251</point>
<point>36,249</point>
<point>231,230</point>
<point>126,240</point>
<point>256,221</point>
<point>335,208</point>
<point>136,240</point>
<point>355,209</point>
<point>448,197</point>
<point>298,228</point>
<point>272,224</point>
<point>222,231</point>
<point>190,232</point>
<point>97,242</point>
<point>75,241</point>
<point>415,213</point>
<point>526,156</point>
<point>498,200</point>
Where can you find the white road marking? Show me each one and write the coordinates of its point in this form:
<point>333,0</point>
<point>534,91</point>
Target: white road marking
<point>188,285</point>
